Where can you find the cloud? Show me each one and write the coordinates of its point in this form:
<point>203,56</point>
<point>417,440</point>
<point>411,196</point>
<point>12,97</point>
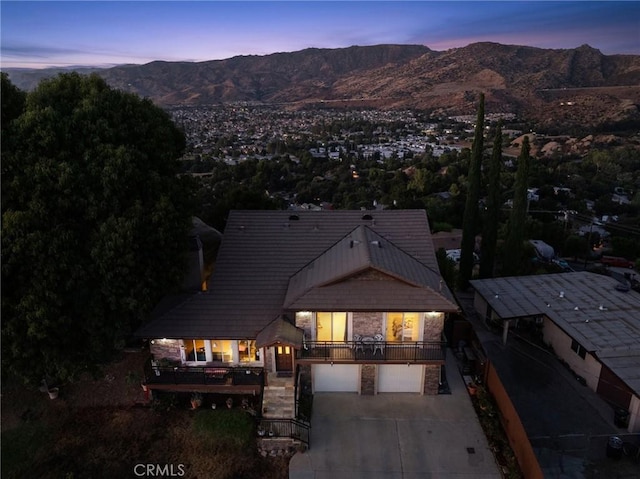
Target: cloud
<point>37,51</point>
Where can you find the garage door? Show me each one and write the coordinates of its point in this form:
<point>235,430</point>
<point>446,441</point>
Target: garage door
<point>336,378</point>
<point>400,378</point>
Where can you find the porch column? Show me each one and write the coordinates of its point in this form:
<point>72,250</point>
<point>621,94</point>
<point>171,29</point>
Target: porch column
<point>505,331</point>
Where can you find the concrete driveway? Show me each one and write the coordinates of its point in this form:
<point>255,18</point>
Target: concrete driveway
<point>396,436</point>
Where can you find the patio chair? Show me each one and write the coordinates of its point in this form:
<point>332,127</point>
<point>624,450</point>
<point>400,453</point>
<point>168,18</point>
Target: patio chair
<point>357,343</point>
<point>378,344</point>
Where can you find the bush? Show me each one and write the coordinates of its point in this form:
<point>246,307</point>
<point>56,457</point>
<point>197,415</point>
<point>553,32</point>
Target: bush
<point>441,226</point>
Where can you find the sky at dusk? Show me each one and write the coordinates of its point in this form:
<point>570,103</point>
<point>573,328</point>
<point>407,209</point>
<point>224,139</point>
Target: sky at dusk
<point>52,33</point>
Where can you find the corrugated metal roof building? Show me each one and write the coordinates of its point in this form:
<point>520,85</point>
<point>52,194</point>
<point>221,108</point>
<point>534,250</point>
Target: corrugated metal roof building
<point>590,320</point>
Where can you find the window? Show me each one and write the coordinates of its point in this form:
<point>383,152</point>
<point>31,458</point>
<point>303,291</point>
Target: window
<point>247,350</point>
<point>403,327</point>
<point>221,350</point>
<point>194,350</point>
<point>579,349</point>
<point>331,327</point>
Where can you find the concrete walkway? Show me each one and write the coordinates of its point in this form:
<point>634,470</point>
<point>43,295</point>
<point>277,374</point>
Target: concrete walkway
<point>396,436</point>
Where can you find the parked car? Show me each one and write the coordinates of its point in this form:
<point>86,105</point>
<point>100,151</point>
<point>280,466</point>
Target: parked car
<point>562,264</point>
<point>616,261</point>
<point>454,255</point>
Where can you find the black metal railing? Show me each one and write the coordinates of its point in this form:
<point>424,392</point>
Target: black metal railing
<point>291,428</point>
<point>346,351</point>
<point>296,382</point>
<point>159,373</point>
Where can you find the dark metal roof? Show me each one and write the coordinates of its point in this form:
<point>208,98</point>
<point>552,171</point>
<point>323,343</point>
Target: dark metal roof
<point>407,284</point>
<point>280,331</point>
<point>262,250</point>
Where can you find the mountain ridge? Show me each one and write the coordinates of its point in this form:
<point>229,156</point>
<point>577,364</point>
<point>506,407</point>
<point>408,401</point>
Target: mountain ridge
<point>515,78</point>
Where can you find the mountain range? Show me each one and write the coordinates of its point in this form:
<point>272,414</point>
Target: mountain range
<point>553,86</point>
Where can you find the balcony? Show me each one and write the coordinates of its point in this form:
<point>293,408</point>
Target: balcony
<point>375,351</point>
<point>206,379</point>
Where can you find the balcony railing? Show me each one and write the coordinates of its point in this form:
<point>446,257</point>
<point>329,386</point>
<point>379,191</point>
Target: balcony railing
<point>205,375</point>
<point>350,351</point>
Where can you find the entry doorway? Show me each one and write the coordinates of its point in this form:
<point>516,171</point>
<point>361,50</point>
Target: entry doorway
<point>284,360</point>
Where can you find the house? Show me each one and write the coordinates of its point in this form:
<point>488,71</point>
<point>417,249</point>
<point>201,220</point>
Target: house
<point>352,298</point>
<point>590,320</point>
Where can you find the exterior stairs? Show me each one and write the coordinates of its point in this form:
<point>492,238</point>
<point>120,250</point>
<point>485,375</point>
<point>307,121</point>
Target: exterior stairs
<point>278,400</point>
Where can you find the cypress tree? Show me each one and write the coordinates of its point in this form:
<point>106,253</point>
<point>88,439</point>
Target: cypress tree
<point>492,213</point>
<point>517,220</point>
<point>470,218</point>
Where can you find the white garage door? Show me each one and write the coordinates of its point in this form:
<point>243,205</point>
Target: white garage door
<point>336,378</point>
<point>400,378</point>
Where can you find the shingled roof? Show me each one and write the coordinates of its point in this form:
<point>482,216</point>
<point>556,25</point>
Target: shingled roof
<point>264,268</point>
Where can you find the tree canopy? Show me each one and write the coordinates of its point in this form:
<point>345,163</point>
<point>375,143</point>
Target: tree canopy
<point>513,252</point>
<point>492,211</point>
<point>95,222</point>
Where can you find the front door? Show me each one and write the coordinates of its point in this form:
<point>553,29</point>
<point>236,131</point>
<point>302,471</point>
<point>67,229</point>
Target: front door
<point>284,359</point>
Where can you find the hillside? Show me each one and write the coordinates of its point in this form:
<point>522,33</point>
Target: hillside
<point>569,86</point>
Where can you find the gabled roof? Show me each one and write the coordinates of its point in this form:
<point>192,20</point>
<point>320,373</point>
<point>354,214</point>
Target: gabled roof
<point>336,278</point>
<point>280,331</point>
<point>586,306</point>
<point>262,250</point>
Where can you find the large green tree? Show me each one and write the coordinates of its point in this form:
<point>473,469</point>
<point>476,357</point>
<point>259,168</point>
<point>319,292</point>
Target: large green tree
<point>492,212</point>
<point>12,102</point>
<point>94,224</point>
<point>470,218</point>
<point>513,252</point>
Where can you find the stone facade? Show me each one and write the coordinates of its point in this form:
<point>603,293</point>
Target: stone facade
<point>367,324</point>
<point>368,373</point>
<point>304,320</point>
<point>166,349</point>
<point>433,325</point>
<point>269,359</point>
<point>431,379</point>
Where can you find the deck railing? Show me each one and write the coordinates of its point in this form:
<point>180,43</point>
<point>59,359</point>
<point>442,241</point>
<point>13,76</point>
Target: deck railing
<point>349,351</point>
<point>155,373</point>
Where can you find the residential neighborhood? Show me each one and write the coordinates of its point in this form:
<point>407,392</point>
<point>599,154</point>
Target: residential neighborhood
<point>308,314</point>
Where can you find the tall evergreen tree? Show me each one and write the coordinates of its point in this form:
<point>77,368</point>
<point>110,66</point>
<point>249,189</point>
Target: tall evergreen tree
<point>492,213</point>
<point>515,236</point>
<point>470,218</point>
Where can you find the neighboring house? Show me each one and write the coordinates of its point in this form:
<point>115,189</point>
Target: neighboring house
<point>354,298</point>
<point>591,321</point>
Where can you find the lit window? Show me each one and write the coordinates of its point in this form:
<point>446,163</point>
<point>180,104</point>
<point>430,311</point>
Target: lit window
<point>221,350</point>
<point>331,327</point>
<point>403,327</point>
<point>247,350</point>
<point>194,350</point>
